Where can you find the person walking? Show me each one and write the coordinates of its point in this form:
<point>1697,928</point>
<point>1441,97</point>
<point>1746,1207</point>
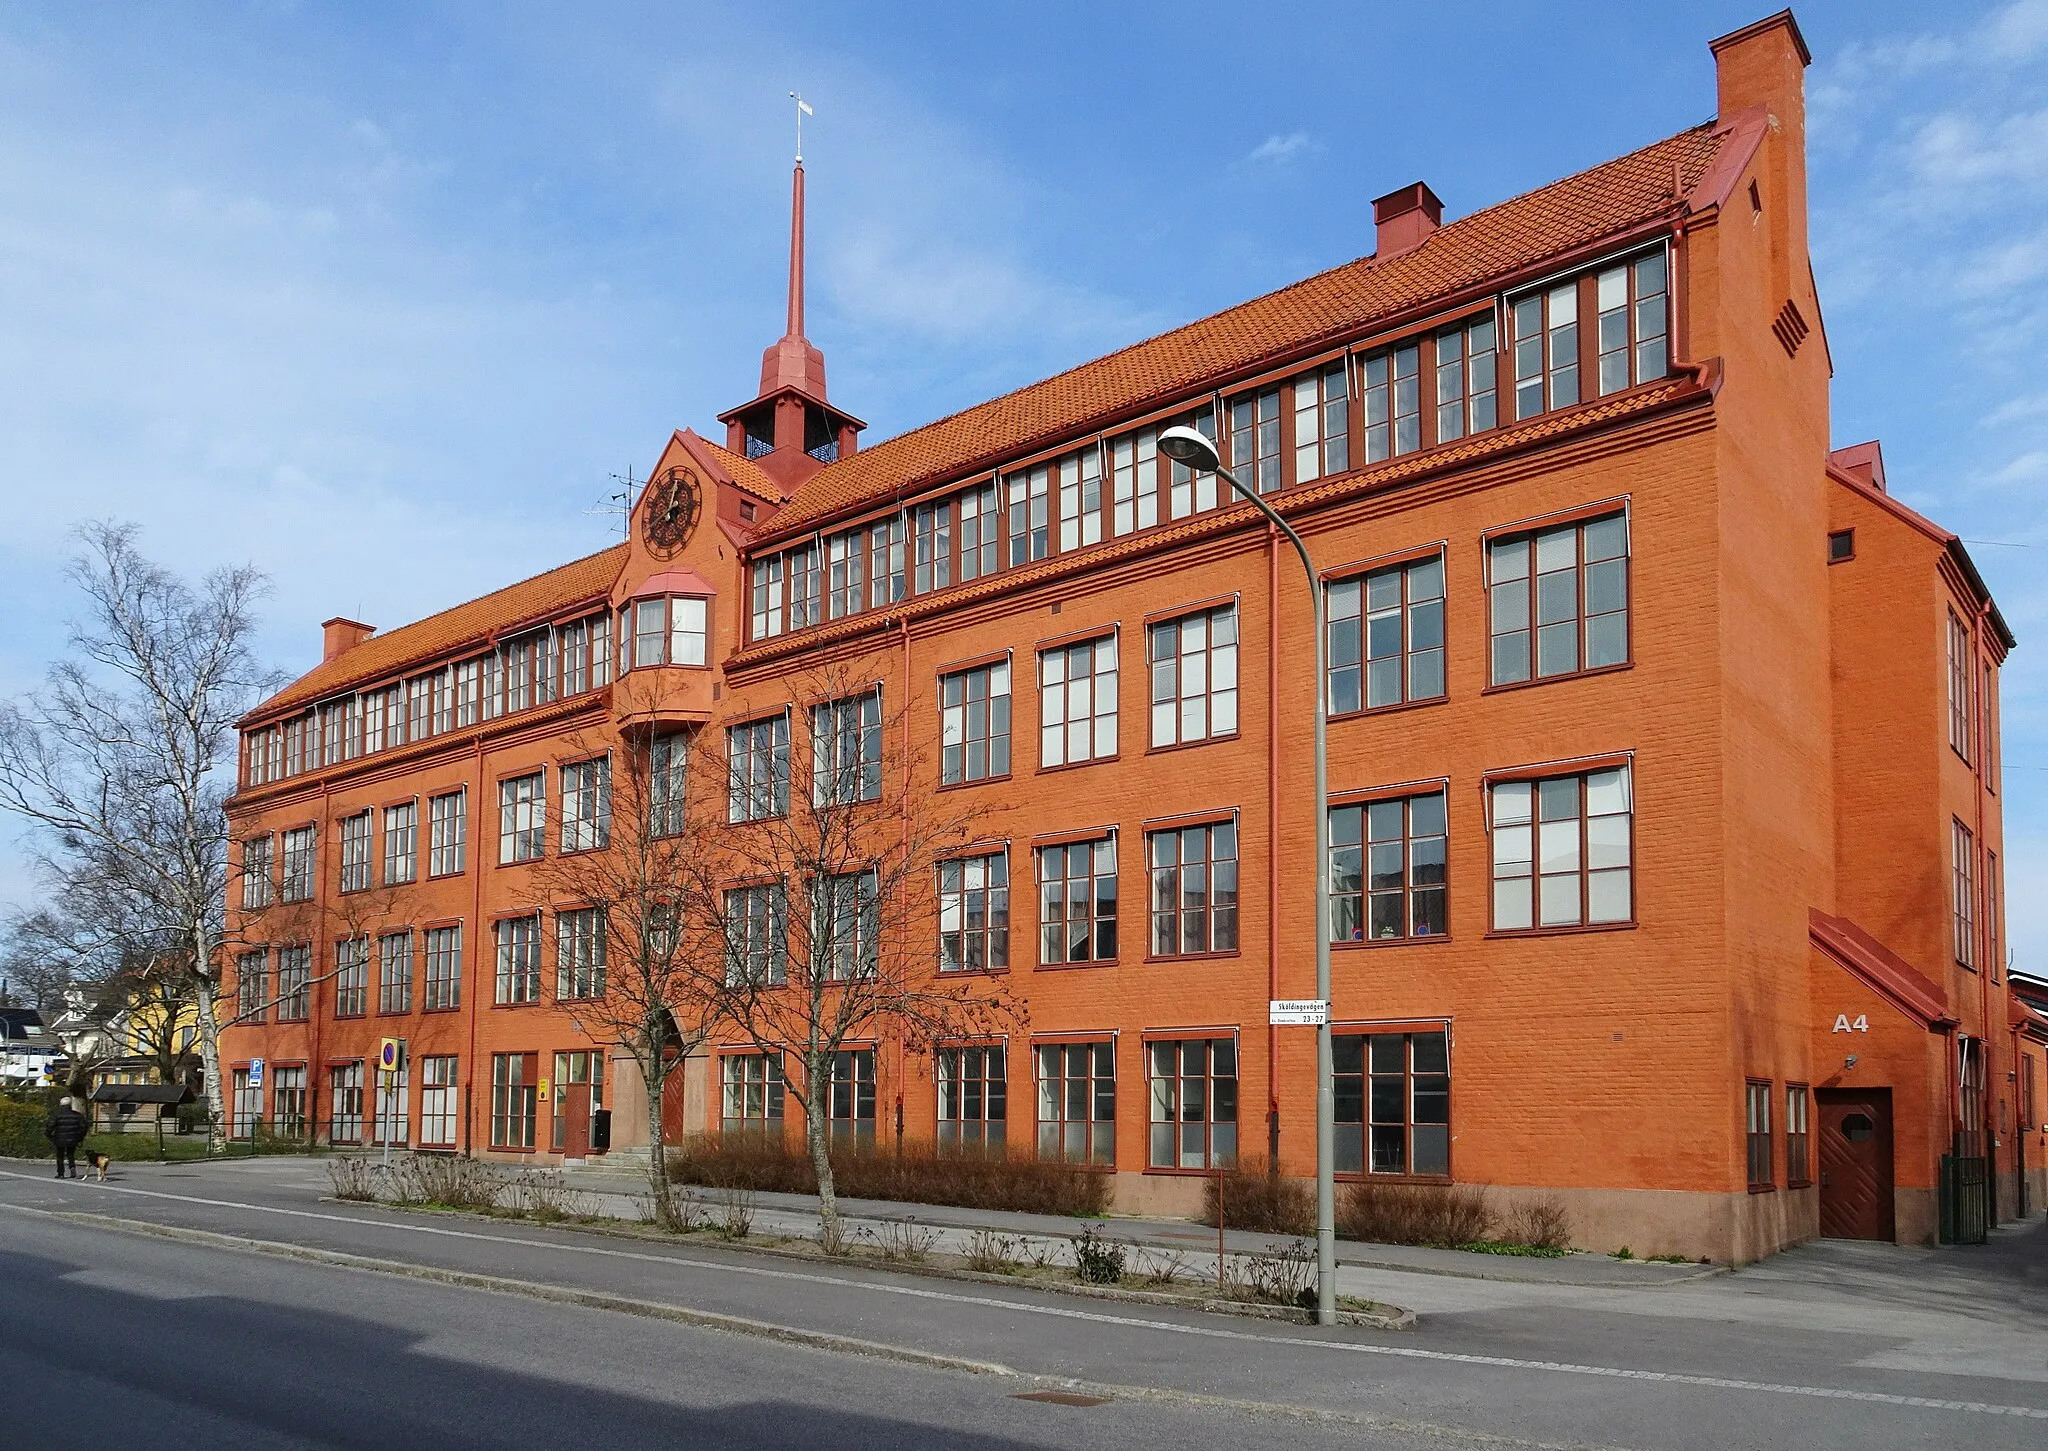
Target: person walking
<point>65,1129</point>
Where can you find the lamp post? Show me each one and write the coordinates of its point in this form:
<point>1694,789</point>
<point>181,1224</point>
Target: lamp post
<point>1193,448</point>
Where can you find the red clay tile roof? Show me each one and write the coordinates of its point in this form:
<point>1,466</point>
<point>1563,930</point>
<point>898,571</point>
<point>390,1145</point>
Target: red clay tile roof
<point>1579,210</point>
<point>471,623</point>
<point>743,471</point>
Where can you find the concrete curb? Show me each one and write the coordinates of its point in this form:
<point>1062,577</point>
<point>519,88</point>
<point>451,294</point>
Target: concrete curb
<point>1386,1317</point>
<point>533,1290</point>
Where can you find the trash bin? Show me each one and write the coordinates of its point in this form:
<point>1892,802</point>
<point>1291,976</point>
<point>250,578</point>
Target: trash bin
<point>600,1130</point>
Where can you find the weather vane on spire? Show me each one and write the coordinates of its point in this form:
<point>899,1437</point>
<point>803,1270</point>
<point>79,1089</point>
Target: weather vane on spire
<point>802,110</point>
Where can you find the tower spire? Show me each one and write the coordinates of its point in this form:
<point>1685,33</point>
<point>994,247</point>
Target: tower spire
<point>796,252</point>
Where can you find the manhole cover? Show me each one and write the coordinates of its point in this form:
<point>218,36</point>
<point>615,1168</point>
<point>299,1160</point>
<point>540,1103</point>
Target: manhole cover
<point>1062,1398</point>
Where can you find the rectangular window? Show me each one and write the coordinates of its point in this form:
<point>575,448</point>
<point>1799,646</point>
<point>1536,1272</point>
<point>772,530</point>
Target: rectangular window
<point>587,805</point>
<point>1970,1097</point>
<point>1757,1122</point>
<point>1798,1167</point>
<point>766,618</point>
<point>845,591</point>
<point>1194,1102</point>
<point>1565,588</point>
<point>1322,420</point>
<point>522,818</point>
<point>1080,477</point>
<point>345,1103</point>
<point>252,987</point>
<point>1987,720</point>
<point>394,972</point>
<point>245,1106</point>
<point>1077,902</point>
<point>846,750</point>
<point>401,843</point>
<point>847,937</point>
<point>850,1097</point>
<point>1134,481</point>
<point>352,977</point>
<point>288,1102</point>
<point>294,983</point>
<point>572,650</point>
<point>757,945</point>
<point>1963,878</point>
<point>579,953</point>
<point>751,1087</point>
<point>932,545</point>
<point>355,852</point>
<point>514,1099</point>
<point>667,774</point>
<point>806,587</point>
<point>1194,677</point>
<point>447,827</point>
<point>299,848</point>
<point>1546,350</point>
<point>757,787</point>
<point>1634,323</point>
<point>1190,491</point>
<point>1077,1102</point>
<point>1194,889</point>
<point>974,723</point>
<point>444,968</point>
<point>469,692</point>
<point>419,707</point>
<point>974,914</point>
<point>1388,870</point>
<point>974,1098</point>
<point>885,562</point>
<point>519,959</point>
<point>1029,494</point>
<point>1992,916</point>
<point>390,1123</point>
<point>671,631</point>
<point>440,1099</point>
<point>1958,685</point>
<point>1393,1102</point>
<point>1387,637</point>
<point>579,1067</point>
<point>1393,403</point>
<point>257,864</point>
<point>1466,379</point>
<point>981,532</point>
<point>1255,440</point>
<point>1077,702</point>
<point>1562,851</point>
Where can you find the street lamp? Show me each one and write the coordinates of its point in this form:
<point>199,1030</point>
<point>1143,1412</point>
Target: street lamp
<point>1193,448</point>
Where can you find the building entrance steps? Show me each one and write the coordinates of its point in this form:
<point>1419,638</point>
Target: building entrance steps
<point>624,1196</point>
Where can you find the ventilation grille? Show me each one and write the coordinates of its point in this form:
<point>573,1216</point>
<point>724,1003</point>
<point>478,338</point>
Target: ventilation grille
<point>1791,329</point>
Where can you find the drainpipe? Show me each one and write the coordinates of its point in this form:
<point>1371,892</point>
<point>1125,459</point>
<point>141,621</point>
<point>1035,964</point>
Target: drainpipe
<point>318,1065</point>
<point>475,864</point>
<point>1976,674</point>
<point>1273,844</point>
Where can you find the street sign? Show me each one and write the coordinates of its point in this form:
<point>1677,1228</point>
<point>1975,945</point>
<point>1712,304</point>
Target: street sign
<point>1297,1012</point>
<point>255,1072</point>
<point>387,1056</point>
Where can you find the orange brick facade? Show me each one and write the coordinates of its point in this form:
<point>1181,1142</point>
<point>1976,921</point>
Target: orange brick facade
<point>1779,723</point>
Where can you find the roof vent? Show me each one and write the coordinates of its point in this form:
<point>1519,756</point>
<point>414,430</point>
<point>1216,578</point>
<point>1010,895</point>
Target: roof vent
<point>339,636</point>
<point>1405,219</point>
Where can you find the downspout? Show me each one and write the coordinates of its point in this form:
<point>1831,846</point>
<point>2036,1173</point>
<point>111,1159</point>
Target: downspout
<point>476,907</point>
<point>1983,894</point>
<point>903,634</point>
<point>318,1065</point>
<point>1273,843</point>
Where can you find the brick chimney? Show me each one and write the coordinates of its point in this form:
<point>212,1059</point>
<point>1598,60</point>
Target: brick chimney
<point>1405,219</point>
<point>1762,67</point>
<point>339,636</point>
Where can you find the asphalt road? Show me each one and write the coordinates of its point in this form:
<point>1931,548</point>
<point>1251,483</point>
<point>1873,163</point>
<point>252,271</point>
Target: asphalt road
<point>113,1337</point>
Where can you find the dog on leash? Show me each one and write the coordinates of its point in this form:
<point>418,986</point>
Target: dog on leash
<point>96,1162</point>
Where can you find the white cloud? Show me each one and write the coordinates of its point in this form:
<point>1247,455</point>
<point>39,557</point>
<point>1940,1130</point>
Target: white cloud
<point>1277,150</point>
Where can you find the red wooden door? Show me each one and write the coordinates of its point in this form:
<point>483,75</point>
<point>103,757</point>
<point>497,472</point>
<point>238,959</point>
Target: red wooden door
<point>1855,1163</point>
<point>672,1106</point>
<point>576,1121</point>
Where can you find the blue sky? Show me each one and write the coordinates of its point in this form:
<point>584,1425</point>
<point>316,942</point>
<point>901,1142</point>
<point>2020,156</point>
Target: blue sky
<point>379,296</point>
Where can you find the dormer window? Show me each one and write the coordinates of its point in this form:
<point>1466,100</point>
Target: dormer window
<point>669,630</point>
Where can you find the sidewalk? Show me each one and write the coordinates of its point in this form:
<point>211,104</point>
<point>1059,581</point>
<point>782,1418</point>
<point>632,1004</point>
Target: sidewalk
<point>624,1196</point>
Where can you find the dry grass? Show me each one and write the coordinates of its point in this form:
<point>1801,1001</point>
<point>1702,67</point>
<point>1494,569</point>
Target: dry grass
<point>918,1176</point>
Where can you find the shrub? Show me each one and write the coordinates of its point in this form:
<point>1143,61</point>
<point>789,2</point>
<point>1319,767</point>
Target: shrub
<point>919,1175</point>
<point>1444,1215</point>
<point>902,1241</point>
<point>1256,1200</point>
<point>21,1130</point>
<point>353,1178</point>
<point>993,1253</point>
<point>544,1195</point>
<point>1540,1223</point>
<point>1097,1259</point>
<point>1284,1276</point>
<point>448,1180</point>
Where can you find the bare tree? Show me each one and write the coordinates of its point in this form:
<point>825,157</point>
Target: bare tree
<point>123,760</point>
<point>623,887</point>
<point>817,883</point>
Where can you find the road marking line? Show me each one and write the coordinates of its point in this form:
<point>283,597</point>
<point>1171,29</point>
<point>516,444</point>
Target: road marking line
<point>1502,1362</point>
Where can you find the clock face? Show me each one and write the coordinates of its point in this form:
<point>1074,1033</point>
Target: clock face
<point>673,502</point>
